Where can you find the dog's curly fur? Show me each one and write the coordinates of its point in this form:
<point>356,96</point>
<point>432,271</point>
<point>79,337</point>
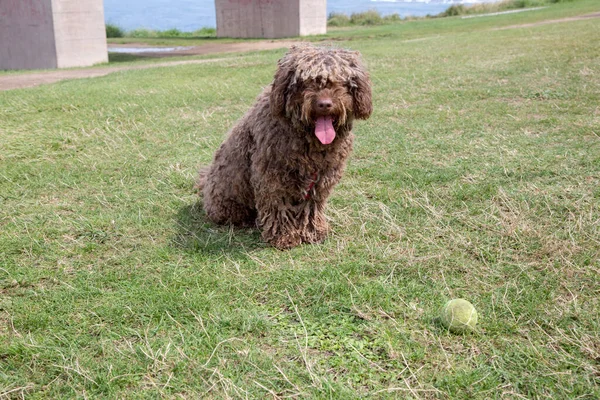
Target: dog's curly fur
<point>272,170</point>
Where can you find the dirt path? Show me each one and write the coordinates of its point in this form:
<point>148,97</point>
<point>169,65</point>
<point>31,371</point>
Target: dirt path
<point>25,80</point>
<point>209,48</point>
<point>41,78</point>
<point>31,79</point>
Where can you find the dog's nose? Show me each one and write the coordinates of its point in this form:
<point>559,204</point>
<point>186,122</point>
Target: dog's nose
<point>324,104</point>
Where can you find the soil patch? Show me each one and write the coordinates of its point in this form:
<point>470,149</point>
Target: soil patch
<point>25,80</point>
<point>209,48</point>
<point>17,81</point>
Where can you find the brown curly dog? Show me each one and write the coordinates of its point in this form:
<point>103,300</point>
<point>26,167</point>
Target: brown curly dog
<point>280,162</point>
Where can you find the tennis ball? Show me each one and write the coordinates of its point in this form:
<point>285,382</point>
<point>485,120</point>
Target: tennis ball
<point>458,316</point>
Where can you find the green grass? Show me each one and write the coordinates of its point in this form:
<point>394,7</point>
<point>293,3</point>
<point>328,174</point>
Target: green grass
<point>477,176</point>
<point>498,6</point>
<point>371,17</point>
<point>374,17</point>
<point>171,33</point>
<point>114,31</point>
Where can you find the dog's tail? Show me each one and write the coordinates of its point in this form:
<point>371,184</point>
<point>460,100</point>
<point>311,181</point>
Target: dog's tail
<point>201,180</point>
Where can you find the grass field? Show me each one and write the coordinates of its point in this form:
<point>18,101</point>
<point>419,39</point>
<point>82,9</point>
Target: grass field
<point>478,176</point>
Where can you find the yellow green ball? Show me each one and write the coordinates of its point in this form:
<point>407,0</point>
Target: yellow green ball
<point>459,316</point>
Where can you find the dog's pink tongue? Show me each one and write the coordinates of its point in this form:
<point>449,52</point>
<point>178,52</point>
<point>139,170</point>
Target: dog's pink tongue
<point>324,130</point>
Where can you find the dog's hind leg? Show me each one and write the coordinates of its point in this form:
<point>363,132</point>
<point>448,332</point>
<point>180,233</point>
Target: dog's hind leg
<point>228,199</point>
<point>229,211</point>
<point>201,179</point>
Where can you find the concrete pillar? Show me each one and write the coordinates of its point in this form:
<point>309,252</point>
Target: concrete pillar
<point>40,34</point>
<point>270,18</point>
<point>313,17</point>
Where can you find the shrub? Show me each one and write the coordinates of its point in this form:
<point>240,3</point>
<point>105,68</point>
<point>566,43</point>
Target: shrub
<point>338,19</point>
<point>504,5</point>
<point>170,33</point>
<point>141,33</point>
<point>113,31</point>
<point>453,11</point>
<point>392,18</point>
<point>205,32</point>
<point>371,17</point>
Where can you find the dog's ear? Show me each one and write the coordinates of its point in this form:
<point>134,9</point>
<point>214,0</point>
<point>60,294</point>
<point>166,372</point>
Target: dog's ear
<point>361,94</point>
<point>279,88</point>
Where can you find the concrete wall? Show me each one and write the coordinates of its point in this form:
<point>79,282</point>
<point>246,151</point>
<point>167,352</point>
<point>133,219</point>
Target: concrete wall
<point>40,34</point>
<point>270,18</point>
<point>26,34</point>
<point>313,17</point>
<point>79,32</point>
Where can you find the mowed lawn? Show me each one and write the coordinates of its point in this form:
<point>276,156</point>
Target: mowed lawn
<point>477,176</point>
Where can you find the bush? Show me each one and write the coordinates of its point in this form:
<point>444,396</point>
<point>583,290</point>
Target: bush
<point>170,33</point>
<point>113,31</point>
<point>392,18</point>
<point>338,19</point>
<point>370,17</point>
<point>504,5</point>
<point>141,33</point>
<point>205,32</point>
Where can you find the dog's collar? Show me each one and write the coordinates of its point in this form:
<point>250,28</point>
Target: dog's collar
<point>314,179</point>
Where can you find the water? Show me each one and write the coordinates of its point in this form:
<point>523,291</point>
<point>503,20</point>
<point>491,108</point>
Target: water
<point>190,15</point>
<point>134,50</point>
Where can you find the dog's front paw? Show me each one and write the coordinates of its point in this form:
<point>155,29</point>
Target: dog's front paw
<point>286,241</point>
<point>316,231</point>
<point>315,236</point>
